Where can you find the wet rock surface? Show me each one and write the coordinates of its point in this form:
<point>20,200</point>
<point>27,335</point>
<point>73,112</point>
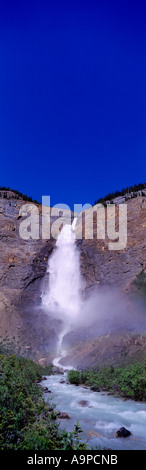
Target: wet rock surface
<point>83,403</point>
<point>46,390</point>
<point>58,370</point>
<point>122,432</point>
<point>62,415</point>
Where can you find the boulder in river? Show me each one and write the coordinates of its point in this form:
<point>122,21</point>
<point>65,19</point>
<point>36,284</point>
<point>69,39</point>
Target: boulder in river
<point>62,415</point>
<point>58,370</point>
<point>94,388</point>
<point>46,390</point>
<point>122,432</point>
<point>83,403</point>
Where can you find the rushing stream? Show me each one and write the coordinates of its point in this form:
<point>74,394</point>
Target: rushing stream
<point>102,416</point>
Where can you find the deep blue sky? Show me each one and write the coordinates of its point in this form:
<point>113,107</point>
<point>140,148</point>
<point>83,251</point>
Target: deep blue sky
<point>72,97</point>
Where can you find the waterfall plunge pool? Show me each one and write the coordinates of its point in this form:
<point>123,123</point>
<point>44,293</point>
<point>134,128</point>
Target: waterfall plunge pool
<point>101,418</point>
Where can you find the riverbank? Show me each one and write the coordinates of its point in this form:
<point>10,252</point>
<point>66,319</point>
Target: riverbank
<point>26,420</point>
<point>124,381</point>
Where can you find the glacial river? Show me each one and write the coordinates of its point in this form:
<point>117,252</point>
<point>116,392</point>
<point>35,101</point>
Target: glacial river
<point>100,417</point>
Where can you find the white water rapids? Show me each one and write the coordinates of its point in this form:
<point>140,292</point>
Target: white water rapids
<point>102,416</point>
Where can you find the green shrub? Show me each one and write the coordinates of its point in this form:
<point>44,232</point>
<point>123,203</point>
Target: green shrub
<point>25,420</point>
<point>74,377</point>
<point>126,381</point>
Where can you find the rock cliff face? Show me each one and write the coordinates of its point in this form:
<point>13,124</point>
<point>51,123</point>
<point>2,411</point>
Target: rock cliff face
<point>100,266</point>
<point>23,267</point>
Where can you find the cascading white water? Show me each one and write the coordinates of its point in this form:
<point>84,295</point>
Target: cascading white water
<point>63,292</point>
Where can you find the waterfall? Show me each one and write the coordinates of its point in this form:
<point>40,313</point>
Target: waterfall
<point>62,294</point>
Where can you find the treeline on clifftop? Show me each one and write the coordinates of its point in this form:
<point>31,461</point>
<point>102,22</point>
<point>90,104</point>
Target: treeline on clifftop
<point>26,421</point>
<point>108,197</point>
<point>126,381</point>
<point>19,195</point>
<point>127,190</point>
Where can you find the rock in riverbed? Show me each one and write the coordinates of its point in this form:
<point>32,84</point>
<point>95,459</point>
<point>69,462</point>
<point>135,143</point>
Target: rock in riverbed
<point>58,370</point>
<point>62,415</point>
<point>83,403</point>
<point>122,432</point>
<point>46,390</point>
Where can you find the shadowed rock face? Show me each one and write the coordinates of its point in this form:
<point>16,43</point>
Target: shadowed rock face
<point>22,274</point>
